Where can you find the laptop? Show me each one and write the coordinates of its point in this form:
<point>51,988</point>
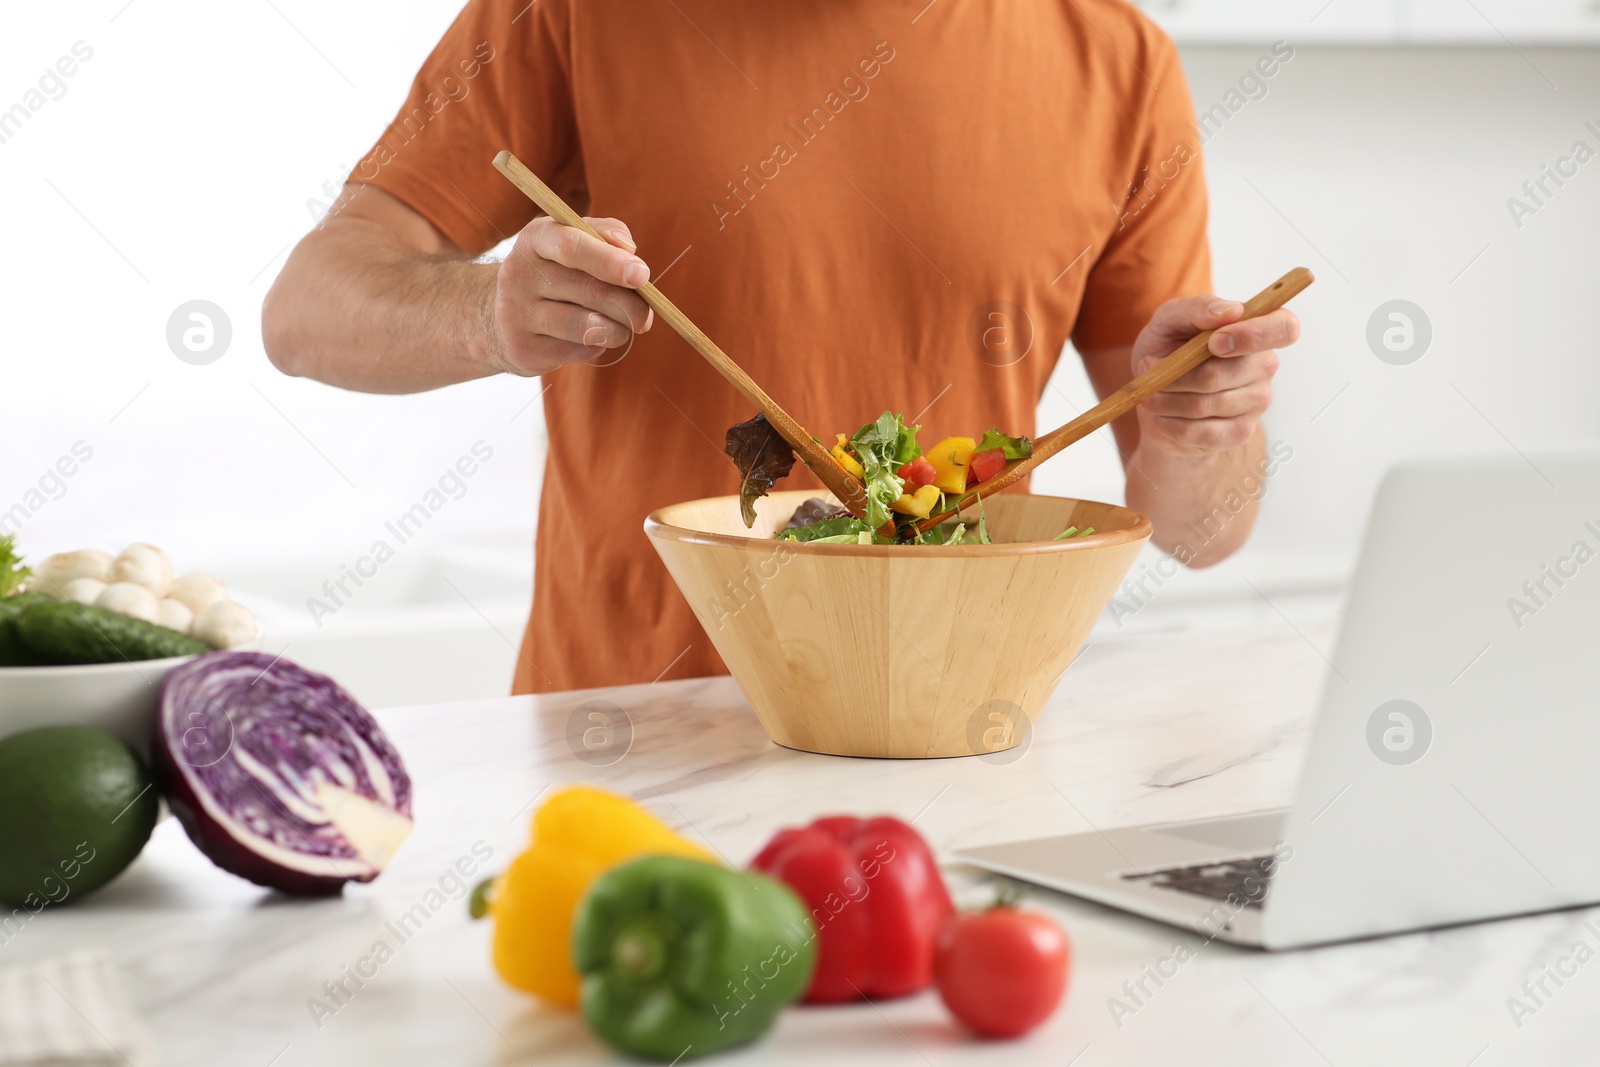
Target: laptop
<point>1453,771</point>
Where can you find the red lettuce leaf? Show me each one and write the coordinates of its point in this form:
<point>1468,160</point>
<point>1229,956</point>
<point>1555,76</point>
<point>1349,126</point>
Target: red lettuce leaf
<point>762,456</point>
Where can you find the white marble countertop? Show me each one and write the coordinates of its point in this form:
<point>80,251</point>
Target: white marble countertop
<point>1156,726</point>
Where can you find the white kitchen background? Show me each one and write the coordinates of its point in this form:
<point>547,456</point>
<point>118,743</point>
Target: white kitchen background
<point>193,143</point>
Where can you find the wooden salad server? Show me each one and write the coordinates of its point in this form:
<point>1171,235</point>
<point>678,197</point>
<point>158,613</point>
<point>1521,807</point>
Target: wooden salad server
<point>838,481</point>
<point>1181,361</point>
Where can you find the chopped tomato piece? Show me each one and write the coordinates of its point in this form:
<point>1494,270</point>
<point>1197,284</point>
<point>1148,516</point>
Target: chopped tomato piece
<point>985,465</point>
<point>918,473</point>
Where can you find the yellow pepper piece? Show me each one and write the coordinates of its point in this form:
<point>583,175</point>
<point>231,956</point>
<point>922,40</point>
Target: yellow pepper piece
<point>578,834</point>
<point>919,503</point>
<point>949,458</point>
<point>847,461</point>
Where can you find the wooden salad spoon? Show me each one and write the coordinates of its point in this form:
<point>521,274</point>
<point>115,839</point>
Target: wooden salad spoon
<point>1181,361</point>
<point>838,481</point>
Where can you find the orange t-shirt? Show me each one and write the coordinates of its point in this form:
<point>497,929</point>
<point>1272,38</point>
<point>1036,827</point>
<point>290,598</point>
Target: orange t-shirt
<point>870,204</point>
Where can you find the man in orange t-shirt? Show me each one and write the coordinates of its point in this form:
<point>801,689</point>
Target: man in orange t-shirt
<point>871,204</point>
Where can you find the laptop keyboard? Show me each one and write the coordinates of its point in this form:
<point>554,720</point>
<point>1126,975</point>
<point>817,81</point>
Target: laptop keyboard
<point>1241,882</point>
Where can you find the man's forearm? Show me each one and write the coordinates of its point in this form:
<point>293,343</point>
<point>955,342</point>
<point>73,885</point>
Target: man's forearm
<point>1191,498</point>
<point>358,308</point>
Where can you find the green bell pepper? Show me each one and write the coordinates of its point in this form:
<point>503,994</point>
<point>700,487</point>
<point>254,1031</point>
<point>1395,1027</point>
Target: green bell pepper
<point>681,958</point>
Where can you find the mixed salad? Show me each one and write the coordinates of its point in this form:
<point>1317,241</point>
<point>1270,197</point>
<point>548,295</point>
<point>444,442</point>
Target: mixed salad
<point>904,484</point>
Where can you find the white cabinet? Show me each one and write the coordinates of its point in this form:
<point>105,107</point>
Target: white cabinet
<point>1497,21</point>
<point>1314,22</point>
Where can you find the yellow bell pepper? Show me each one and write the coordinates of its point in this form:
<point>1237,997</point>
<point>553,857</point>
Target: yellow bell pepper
<point>847,461</point>
<point>950,458</point>
<point>919,503</point>
<point>578,834</point>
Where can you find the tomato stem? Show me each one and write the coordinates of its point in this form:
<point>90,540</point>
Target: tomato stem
<point>481,901</point>
<point>1007,894</point>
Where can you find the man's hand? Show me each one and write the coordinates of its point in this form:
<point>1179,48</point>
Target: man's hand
<point>561,296</point>
<point>1195,453</point>
<point>1217,406</point>
<point>377,298</point>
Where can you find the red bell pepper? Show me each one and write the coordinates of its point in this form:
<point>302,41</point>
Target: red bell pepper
<point>876,898</point>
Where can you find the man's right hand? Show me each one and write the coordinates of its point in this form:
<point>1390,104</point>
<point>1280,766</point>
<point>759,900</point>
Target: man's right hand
<point>563,297</point>
<point>377,298</point>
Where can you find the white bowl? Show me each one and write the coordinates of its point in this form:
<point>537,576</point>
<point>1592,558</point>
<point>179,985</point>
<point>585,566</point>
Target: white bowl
<point>119,698</point>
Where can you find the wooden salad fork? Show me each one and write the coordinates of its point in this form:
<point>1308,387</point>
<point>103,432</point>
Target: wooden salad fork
<point>1181,361</point>
<point>838,481</point>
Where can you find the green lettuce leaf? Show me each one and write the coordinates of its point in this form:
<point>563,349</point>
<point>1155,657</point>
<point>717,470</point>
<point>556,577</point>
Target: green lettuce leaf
<point>1012,447</point>
<point>12,572</point>
<point>888,437</point>
<point>815,510</point>
<point>882,447</point>
<point>947,533</point>
<point>957,533</point>
<point>846,528</point>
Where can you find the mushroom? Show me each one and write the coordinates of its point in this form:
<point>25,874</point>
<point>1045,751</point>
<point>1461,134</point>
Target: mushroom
<point>125,598</point>
<point>56,571</point>
<point>198,591</point>
<point>174,615</point>
<point>145,565</point>
<point>83,590</point>
<point>225,624</point>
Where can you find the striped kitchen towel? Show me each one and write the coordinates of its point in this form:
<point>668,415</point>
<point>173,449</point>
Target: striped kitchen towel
<point>69,1011</point>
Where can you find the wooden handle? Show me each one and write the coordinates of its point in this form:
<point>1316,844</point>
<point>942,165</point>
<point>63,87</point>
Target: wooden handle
<point>841,484</point>
<point>1185,358</point>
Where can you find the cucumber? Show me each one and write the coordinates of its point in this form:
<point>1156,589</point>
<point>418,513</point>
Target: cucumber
<point>61,631</point>
<point>13,653</point>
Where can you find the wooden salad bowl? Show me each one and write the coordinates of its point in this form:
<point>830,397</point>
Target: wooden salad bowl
<point>899,651</point>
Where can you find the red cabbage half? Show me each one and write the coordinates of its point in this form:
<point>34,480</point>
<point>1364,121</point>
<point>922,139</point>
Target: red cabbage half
<point>277,774</point>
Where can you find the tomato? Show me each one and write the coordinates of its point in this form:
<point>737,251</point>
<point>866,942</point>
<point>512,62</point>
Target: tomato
<point>918,473</point>
<point>1001,971</point>
<point>985,465</point>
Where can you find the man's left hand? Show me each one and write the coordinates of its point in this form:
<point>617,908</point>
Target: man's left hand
<point>1217,406</point>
